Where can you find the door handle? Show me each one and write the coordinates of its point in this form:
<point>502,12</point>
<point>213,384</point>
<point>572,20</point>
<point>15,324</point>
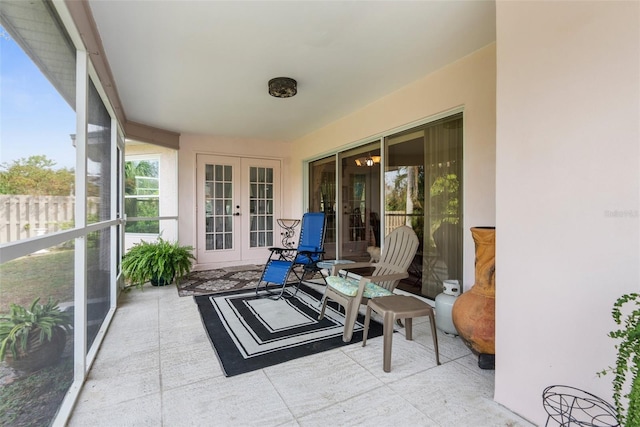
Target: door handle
<point>236,214</point>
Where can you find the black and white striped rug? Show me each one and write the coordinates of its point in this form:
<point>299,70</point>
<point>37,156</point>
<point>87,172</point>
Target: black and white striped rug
<point>250,333</point>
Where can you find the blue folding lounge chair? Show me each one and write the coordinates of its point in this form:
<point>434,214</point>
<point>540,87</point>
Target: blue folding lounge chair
<point>301,261</point>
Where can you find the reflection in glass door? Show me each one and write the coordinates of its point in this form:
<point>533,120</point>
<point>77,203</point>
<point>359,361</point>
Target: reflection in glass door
<point>404,196</point>
<point>360,201</point>
<point>423,182</point>
<point>322,198</point>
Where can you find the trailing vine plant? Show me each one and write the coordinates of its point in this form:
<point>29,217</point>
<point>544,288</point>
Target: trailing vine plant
<point>627,360</point>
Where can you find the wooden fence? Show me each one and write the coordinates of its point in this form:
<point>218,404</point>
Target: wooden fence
<point>22,217</point>
<point>394,219</point>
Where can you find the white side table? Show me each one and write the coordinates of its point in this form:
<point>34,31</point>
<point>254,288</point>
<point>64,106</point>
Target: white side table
<point>328,264</point>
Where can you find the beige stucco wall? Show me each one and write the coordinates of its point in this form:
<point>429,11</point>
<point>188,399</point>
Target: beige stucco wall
<point>568,94</point>
<point>467,83</point>
<point>191,145</point>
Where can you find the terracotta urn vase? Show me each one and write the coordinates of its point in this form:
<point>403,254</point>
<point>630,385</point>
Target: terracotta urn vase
<point>473,313</point>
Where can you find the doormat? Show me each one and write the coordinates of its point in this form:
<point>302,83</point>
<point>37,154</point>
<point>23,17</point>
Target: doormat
<point>250,333</point>
<point>207,282</point>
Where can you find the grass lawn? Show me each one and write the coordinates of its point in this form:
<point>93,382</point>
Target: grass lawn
<point>34,399</point>
<point>37,275</point>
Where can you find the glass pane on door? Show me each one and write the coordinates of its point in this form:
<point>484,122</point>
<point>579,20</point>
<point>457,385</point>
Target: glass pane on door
<point>443,187</point>
<point>360,200</point>
<point>218,202</point>
<point>261,202</point>
<point>423,181</point>
<point>322,198</point>
<point>405,197</point>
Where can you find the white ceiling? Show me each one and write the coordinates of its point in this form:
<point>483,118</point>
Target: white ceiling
<point>203,66</point>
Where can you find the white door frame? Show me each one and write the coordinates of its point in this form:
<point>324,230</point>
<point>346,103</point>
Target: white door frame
<point>239,250</point>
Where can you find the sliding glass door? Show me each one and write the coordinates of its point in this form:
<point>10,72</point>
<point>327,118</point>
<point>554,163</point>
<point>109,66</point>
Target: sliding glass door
<point>422,189</point>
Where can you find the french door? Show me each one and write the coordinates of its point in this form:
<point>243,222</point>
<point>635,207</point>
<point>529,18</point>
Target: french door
<point>237,207</point>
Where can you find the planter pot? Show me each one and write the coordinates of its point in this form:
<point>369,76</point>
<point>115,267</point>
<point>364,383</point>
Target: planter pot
<point>474,311</point>
<point>159,281</point>
<point>39,355</point>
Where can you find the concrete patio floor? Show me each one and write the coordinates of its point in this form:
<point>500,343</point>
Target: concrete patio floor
<point>156,367</point>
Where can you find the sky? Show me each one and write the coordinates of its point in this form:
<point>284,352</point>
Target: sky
<point>34,118</point>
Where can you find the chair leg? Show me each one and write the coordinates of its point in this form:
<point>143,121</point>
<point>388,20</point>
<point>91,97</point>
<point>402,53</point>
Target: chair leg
<point>432,320</point>
<point>365,331</point>
<point>297,288</point>
<point>282,292</point>
<point>351,314</point>
<point>324,296</point>
<point>324,305</point>
<point>263,288</point>
<point>274,294</point>
<point>408,328</point>
<point>388,340</point>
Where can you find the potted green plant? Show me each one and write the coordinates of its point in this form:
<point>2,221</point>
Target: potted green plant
<point>35,337</point>
<point>626,313</point>
<point>157,262</point>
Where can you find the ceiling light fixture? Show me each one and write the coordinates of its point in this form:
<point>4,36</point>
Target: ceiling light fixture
<point>283,87</point>
<point>368,161</point>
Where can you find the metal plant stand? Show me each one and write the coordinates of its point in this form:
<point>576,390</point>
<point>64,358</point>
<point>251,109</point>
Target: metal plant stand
<point>569,406</point>
<point>289,227</point>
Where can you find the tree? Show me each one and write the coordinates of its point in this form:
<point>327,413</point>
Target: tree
<point>396,196</point>
<point>133,169</point>
<point>445,195</point>
<point>35,176</point>
<point>141,195</point>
